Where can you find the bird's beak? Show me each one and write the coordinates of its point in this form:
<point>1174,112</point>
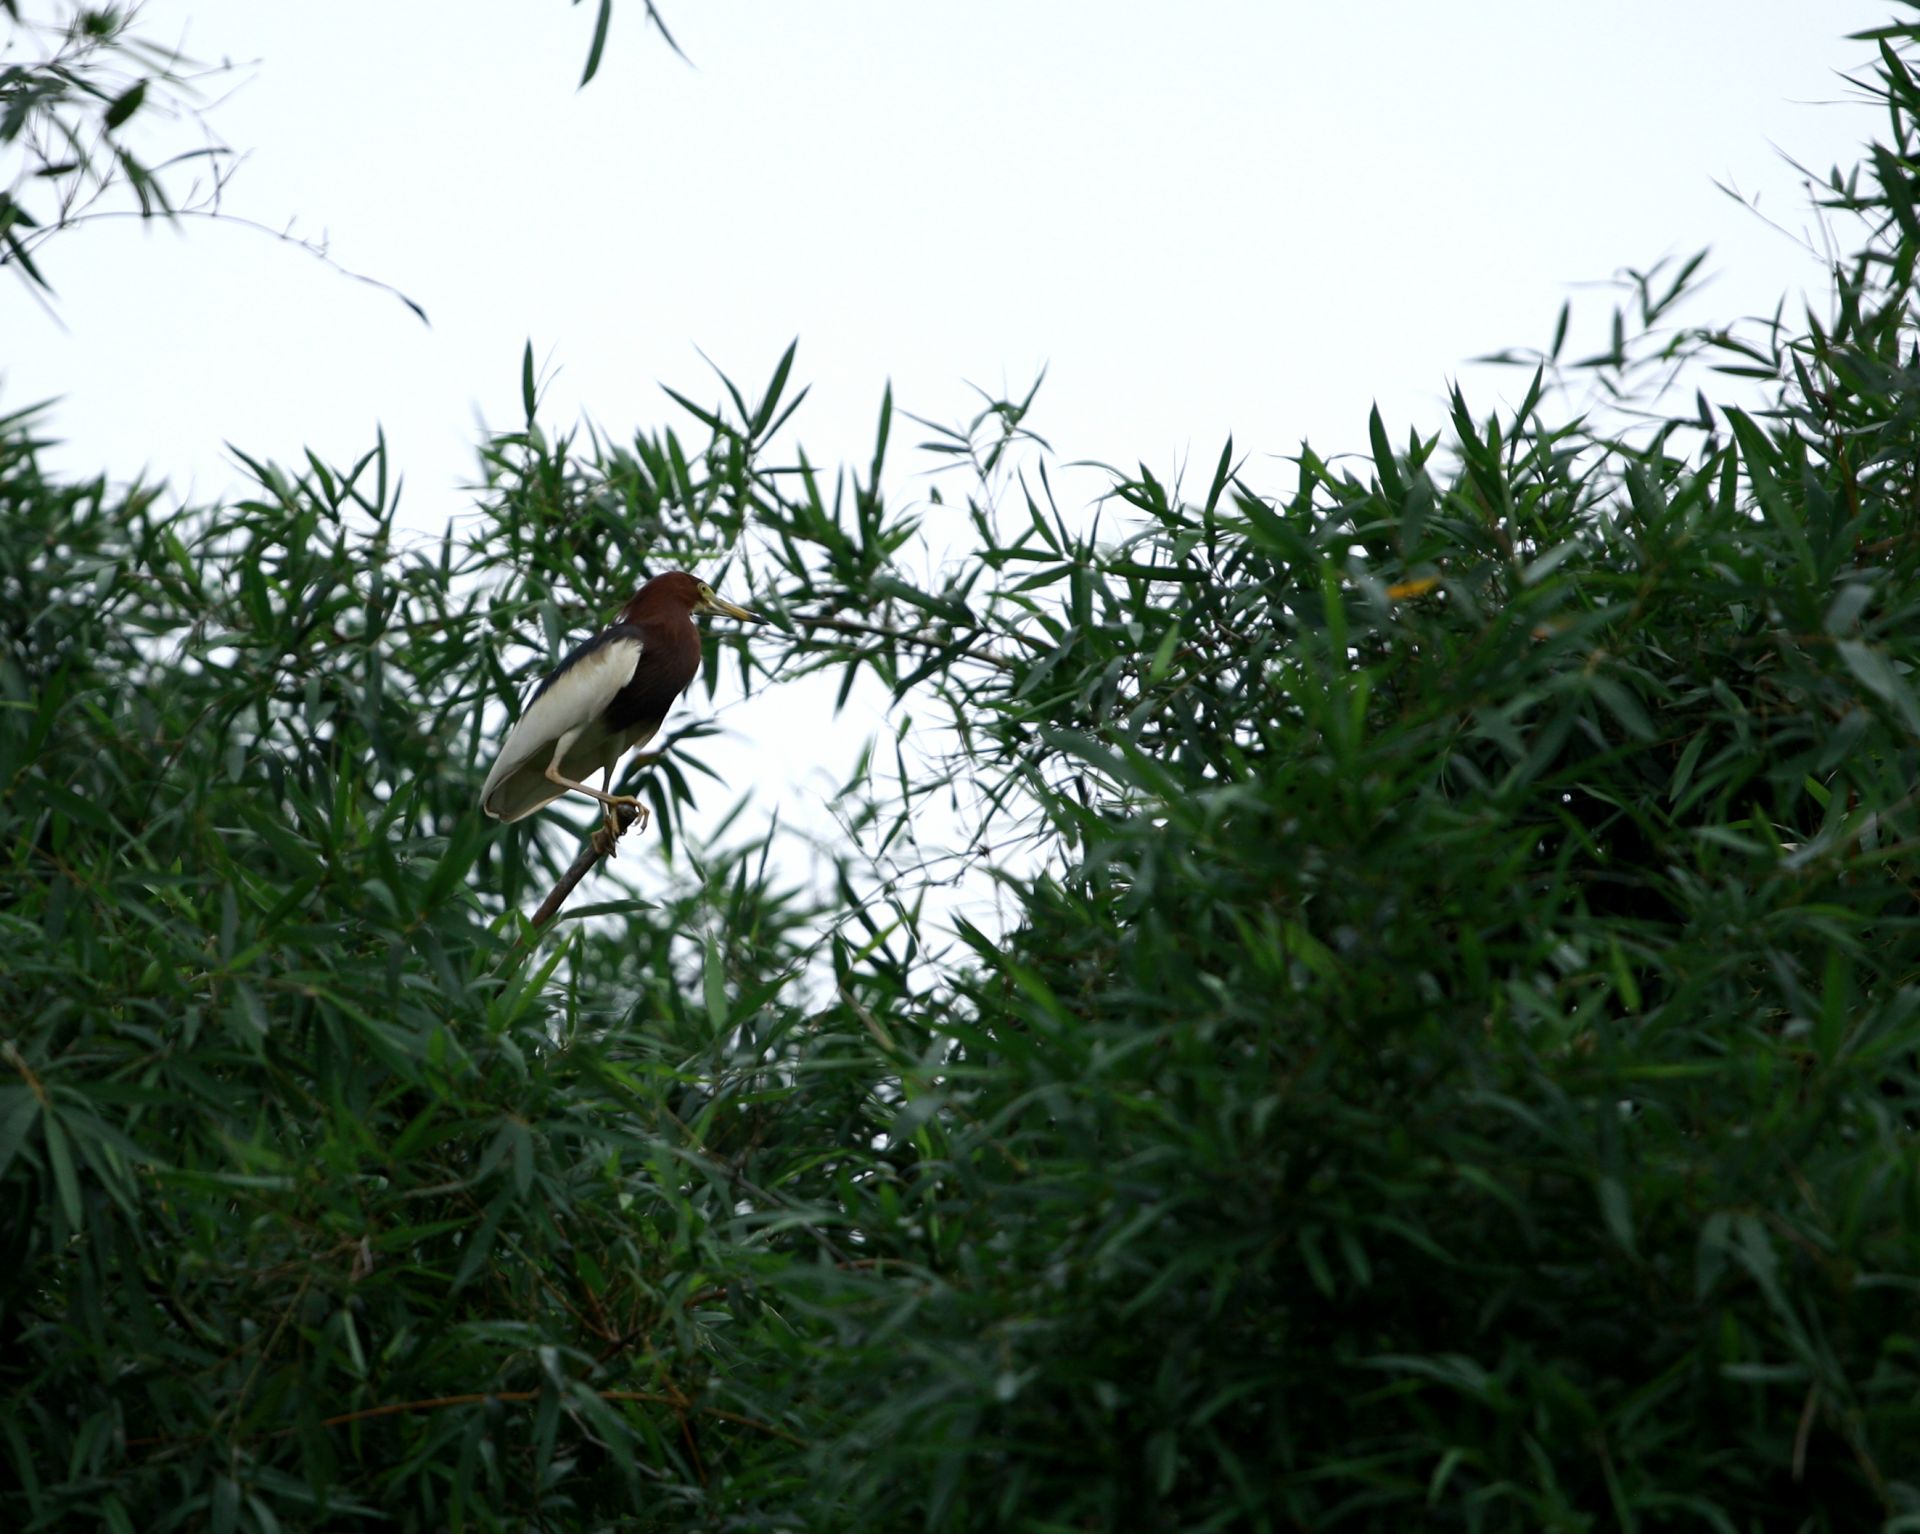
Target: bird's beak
<point>721,605</point>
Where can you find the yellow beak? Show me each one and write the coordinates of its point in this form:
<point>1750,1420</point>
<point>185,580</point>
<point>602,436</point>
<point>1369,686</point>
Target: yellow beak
<point>715,604</point>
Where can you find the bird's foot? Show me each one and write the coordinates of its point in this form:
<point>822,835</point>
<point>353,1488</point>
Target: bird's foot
<point>612,827</point>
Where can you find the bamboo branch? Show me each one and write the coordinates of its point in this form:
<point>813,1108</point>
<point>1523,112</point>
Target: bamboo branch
<point>676,1403</point>
<point>589,855</point>
<point>918,641</point>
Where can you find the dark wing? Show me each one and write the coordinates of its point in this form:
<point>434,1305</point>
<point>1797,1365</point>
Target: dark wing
<point>669,663</point>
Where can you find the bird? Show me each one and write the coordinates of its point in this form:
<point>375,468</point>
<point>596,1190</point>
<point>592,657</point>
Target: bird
<point>608,697</point>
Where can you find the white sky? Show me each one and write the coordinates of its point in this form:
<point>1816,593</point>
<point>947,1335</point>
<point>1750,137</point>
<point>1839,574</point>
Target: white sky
<point>1236,216</point>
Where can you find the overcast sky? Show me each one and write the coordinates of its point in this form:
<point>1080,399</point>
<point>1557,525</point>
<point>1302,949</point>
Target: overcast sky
<point>1249,216</point>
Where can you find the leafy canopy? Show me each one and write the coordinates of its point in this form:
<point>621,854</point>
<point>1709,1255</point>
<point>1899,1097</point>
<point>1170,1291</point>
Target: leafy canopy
<point>1451,1062</point>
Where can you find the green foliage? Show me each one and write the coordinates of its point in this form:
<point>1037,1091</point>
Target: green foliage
<point>287,1074</point>
<point>1449,1061</point>
<point>66,147</point>
<point>603,19</point>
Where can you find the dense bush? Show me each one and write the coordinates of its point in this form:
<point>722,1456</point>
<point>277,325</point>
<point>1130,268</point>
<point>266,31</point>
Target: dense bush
<point>1451,1062</point>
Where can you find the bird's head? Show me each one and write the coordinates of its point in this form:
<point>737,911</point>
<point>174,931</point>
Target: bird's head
<point>677,593</point>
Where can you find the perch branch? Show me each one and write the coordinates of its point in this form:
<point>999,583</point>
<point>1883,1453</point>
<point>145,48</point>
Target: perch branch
<point>589,855</point>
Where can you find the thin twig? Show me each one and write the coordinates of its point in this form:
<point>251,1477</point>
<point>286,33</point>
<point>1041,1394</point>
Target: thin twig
<point>675,1403</point>
<point>18,1061</point>
<point>314,248</point>
<point>898,636</point>
<point>480,1397</point>
<point>1805,1431</point>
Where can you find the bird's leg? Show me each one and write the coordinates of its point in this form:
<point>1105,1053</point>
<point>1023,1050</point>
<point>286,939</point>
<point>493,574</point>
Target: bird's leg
<point>607,833</point>
<point>610,832</point>
<point>620,801</point>
<point>640,810</point>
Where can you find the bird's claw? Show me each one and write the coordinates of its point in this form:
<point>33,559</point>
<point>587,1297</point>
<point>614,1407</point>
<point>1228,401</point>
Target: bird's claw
<point>611,828</point>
